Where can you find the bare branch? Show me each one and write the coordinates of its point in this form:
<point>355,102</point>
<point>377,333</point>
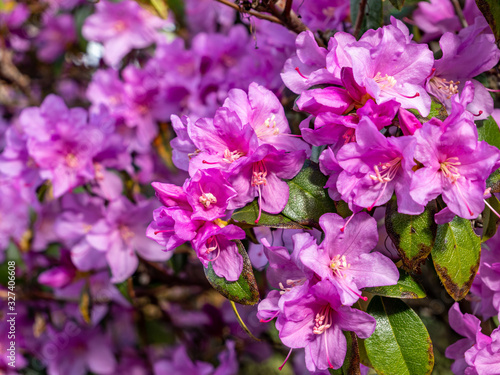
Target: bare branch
<point>359,18</point>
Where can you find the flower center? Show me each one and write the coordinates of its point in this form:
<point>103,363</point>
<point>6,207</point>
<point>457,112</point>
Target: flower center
<point>259,173</point>
<point>323,320</point>
<point>385,172</point>
<point>268,128</point>
<point>290,284</point>
<point>230,156</point>
<point>349,136</point>
<point>71,160</point>
<point>450,170</point>
<point>338,264</point>
<point>207,199</point>
<point>385,82</point>
<point>119,26</point>
<point>213,247</point>
<point>442,88</point>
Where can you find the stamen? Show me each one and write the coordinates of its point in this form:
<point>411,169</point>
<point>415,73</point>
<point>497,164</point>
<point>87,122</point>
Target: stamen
<point>386,82</point>
<point>491,208</point>
<point>230,156</point>
<point>163,231</point>
<point>268,320</point>
<point>411,97</point>
<point>442,88</point>
<point>209,162</point>
<point>479,114</point>
<point>260,205</point>
<point>259,178</point>
<point>214,247</point>
<point>491,90</point>
<point>298,71</point>
<point>347,222</point>
<point>286,359</point>
<point>432,72</point>
<point>384,173</point>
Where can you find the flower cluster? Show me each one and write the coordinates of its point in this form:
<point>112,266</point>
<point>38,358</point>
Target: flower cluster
<point>318,284</point>
<point>244,152</point>
<point>367,82</point>
<point>297,159</point>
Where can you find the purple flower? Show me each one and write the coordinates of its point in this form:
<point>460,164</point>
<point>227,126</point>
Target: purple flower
<point>263,111</point>
<point>262,176</point>
<point>308,67</point>
<point>180,364</point>
<point>486,283</point>
<point>88,350</point>
<point>455,164</point>
<point>124,239</point>
<point>58,32</point>
<point>323,14</point>
<point>223,142</point>
<point>466,55</point>
<point>182,145</point>
<point>213,244</point>
<point>315,321</point>
<point>121,26</point>
<point>62,143</point>
<point>345,258</point>
<point>375,167</point>
<point>476,354</point>
<point>435,18</point>
<point>392,67</point>
<point>208,193</point>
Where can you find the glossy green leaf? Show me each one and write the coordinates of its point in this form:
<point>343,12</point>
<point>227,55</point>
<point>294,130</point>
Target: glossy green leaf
<point>490,219</point>
<point>437,110</point>
<point>244,290</point>
<point>351,361</point>
<point>308,199</point>
<point>493,181</point>
<point>456,256</point>
<point>491,11</point>
<point>250,212</point>
<point>374,16</point>
<point>413,235</point>
<point>400,344</point>
<point>406,287</point>
<point>488,131</point>
<point>398,4</point>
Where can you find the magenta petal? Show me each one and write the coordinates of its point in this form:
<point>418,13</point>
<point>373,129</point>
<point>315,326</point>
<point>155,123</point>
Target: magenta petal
<point>229,263</point>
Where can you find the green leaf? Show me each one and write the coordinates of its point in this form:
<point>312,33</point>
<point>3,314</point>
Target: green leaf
<point>374,16</point>
<point>489,132</point>
<point>413,235</point>
<point>456,256</point>
<point>398,4</point>
<point>244,290</point>
<point>437,110</point>
<point>250,212</point>
<point>123,287</point>
<point>308,199</point>
<point>491,11</point>
<point>400,344</point>
<point>493,181</point>
<point>490,219</point>
<point>406,287</point>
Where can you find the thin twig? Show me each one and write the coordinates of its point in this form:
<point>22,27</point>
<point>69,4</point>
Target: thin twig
<point>359,18</point>
<point>292,22</point>
<point>287,10</point>
<point>252,12</point>
<point>460,14</point>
